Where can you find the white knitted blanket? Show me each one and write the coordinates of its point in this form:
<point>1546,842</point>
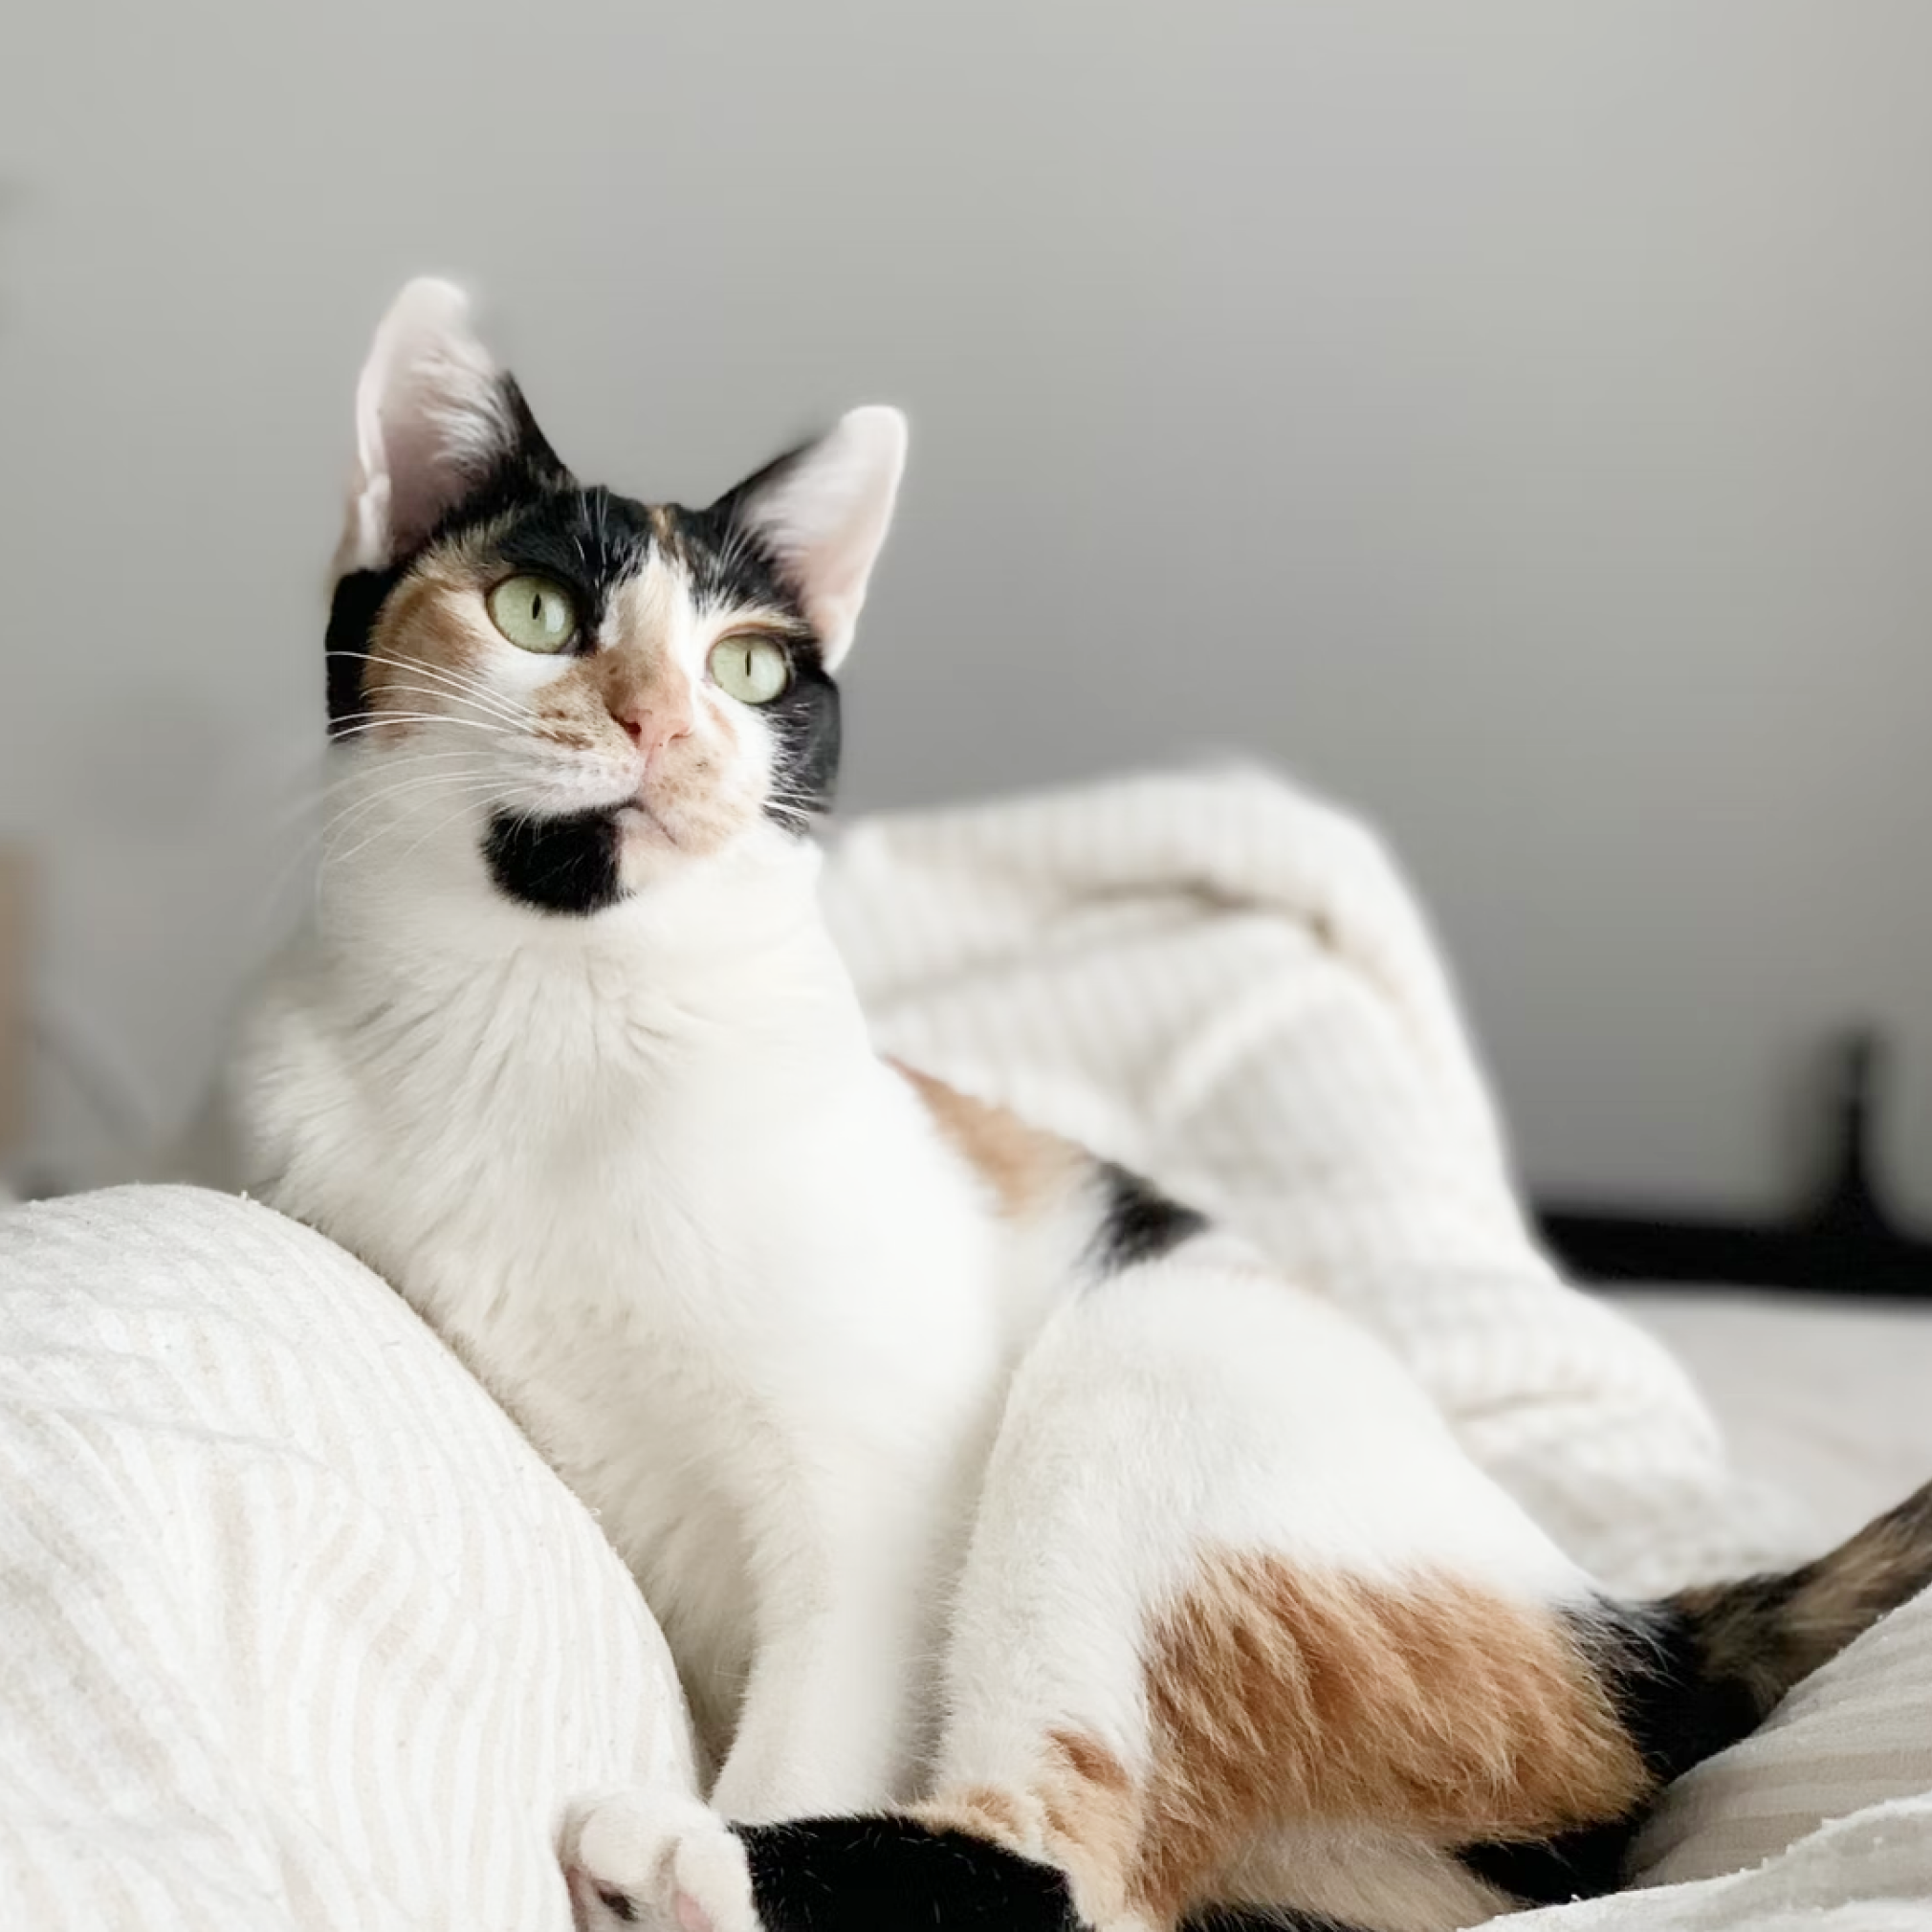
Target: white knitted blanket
<point>298,1632</point>
<point>1226,983</point>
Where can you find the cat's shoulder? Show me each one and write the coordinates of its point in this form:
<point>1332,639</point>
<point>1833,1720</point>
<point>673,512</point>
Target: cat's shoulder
<point>1025,1168</point>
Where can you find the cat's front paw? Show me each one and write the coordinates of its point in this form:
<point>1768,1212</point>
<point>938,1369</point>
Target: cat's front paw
<point>657,1859</point>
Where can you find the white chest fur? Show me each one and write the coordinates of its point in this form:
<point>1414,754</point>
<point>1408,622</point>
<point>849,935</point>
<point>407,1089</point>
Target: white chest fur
<point>667,1203</point>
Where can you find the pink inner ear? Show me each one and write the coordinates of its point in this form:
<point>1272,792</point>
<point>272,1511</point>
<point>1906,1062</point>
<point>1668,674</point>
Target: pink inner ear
<point>429,419</point>
<point>827,514</point>
<point>422,477</point>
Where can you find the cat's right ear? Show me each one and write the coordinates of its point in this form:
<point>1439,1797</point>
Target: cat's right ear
<point>436,420</point>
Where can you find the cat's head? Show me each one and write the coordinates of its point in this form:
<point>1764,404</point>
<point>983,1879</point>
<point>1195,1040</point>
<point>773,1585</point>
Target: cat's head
<point>588,692</point>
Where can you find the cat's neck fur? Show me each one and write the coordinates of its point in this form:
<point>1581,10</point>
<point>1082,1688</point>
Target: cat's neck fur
<point>728,956</point>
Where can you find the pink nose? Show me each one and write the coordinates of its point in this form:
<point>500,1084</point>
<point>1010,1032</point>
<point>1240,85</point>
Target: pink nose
<point>650,731</point>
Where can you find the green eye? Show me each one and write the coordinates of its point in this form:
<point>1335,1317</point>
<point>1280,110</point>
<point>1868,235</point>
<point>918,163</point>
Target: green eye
<point>533,613</point>
<point>750,668</point>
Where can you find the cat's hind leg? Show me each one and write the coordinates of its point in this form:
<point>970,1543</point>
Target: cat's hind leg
<point>1232,1571</point>
<point>1229,1572</point>
<point>1243,1630</point>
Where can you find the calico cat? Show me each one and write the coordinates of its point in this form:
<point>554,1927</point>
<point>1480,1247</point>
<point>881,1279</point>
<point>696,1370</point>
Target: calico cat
<point>1033,1555</point>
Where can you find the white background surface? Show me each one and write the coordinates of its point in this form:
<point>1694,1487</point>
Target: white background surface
<point>1514,415</point>
<point>1831,1400</point>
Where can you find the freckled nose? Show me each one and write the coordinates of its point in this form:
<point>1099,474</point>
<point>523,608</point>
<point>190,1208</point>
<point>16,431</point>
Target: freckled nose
<point>652,727</point>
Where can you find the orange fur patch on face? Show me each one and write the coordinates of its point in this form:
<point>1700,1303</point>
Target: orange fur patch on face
<point>1278,1694</point>
<point>428,645</point>
<point>1026,1167</point>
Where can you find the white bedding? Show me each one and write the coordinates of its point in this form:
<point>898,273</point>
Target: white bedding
<point>1829,1401</point>
<point>300,1634</point>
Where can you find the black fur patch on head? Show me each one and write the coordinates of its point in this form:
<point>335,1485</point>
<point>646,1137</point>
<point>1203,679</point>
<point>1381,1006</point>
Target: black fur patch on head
<point>890,1875</point>
<point>524,470</point>
<point>805,726</point>
<point>1138,1224</point>
<point>730,565</point>
<point>357,602</point>
<point>591,542</point>
<point>564,864</point>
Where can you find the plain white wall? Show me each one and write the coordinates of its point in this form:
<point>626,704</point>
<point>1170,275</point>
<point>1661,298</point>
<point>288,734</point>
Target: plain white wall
<point>1515,416</point>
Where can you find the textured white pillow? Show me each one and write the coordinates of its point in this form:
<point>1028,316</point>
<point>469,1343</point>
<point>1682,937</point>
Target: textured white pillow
<point>298,1631</point>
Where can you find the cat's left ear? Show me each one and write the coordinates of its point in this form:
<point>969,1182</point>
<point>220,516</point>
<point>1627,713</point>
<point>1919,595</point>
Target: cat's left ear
<point>823,513</point>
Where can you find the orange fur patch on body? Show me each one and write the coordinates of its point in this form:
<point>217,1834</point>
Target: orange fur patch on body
<point>1429,1717</point>
<point>1281,1694</point>
<point>1083,1814</point>
<point>1026,1167</point>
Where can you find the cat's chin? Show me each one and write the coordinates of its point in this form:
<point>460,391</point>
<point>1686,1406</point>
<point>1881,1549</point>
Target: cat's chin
<point>647,849</point>
<point>654,842</point>
<point>642,831</point>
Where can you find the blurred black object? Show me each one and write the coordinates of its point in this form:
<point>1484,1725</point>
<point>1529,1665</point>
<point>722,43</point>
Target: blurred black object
<point>1843,1243</point>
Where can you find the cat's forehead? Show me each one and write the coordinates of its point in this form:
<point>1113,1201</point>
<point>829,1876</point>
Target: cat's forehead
<point>595,539</point>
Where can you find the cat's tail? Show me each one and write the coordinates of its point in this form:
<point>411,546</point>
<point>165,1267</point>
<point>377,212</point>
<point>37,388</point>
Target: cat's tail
<point>1692,1674</point>
<point>1702,1668</point>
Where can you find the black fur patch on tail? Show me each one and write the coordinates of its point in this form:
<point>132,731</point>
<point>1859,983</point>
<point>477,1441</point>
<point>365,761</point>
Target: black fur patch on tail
<point>1692,1675</point>
<point>1676,1715</point>
<point>1768,1633</point>
<point>890,1875</point>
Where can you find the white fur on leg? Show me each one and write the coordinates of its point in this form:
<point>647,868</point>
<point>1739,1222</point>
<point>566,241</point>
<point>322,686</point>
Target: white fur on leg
<point>1196,1404</point>
<point>1199,1402</point>
<point>837,1706</point>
